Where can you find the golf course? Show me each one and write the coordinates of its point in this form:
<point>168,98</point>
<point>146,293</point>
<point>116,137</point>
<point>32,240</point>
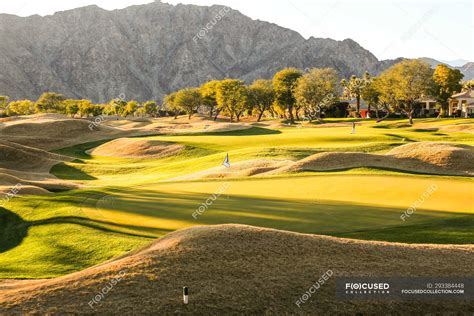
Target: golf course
<point>122,185</point>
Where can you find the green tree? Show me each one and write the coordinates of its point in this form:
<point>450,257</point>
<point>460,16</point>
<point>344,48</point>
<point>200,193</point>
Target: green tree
<point>405,84</point>
<point>447,82</point>
<point>50,102</point>
<point>188,100</point>
<point>284,82</point>
<point>208,93</point>
<point>86,108</point>
<point>354,87</point>
<point>261,96</point>
<point>3,102</point>
<point>130,108</point>
<point>150,108</point>
<point>170,104</point>
<point>21,107</point>
<point>468,85</point>
<point>317,90</point>
<point>72,107</point>
<point>232,97</point>
<point>115,107</point>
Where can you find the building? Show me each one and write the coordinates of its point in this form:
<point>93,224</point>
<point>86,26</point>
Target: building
<point>364,107</point>
<point>428,108</point>
<point>462,104</point>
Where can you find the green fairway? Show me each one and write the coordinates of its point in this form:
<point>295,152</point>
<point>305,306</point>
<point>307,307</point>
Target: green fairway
<point>126,203</point>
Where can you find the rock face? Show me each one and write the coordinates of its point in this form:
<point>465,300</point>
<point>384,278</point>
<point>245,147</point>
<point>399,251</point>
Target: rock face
<point>149,50</point>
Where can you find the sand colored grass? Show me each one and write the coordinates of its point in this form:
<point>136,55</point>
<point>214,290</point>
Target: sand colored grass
<point>232,269</point>
<point>137,148</point>
<point>424,157</point>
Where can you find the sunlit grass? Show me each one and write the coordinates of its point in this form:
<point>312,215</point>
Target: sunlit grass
<point>128,202</point>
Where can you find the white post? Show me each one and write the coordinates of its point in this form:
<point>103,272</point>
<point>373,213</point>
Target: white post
<point>185,295</point>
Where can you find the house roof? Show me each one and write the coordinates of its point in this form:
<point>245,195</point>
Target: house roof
<point>465,94</point>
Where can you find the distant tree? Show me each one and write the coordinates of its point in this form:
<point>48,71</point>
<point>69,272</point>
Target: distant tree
<point>354,87</point>
<point>284,82</point>
<point>72,107</point>
<point>317,90</point>
<point>50,102</point>
<point>208,93</point>
<point>232,97</point>
<point>86,108</point>
<point>188,100</point>
<point>468,85</point>
<point>150,108</point>
<point>447,82</point>
<point>3,102</point>
<point>97,109</point>
<point>170,104</point>
<point>405,84</point>
<point>371,94</point>
<point>130,108</point>
<point>261,96</point>
<point>21,107</point>
<point>115,107</point>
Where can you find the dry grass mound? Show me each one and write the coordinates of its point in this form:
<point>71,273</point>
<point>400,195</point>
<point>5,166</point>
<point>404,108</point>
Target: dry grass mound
<point>29,167</point>
<point>24,158</point>
<point>240,169</point>
<point>25,190</point>
<point>424,157</point>
<point>137,148</point>
<point>54,133</point>
<point>443,155</point>
<point>236,269</point>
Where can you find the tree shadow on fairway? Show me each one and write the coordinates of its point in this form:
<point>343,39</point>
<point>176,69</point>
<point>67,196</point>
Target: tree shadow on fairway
<point>67,172</point>
<point>401,137</point>
<point>253,131</point>
<point>13,228</point>
<point>185,209</point>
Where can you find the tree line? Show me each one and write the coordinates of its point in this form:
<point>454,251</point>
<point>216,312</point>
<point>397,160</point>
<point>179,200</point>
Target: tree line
<point>292,94</point>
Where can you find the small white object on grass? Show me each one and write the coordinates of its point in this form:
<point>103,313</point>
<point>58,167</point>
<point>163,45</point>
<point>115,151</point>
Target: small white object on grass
<point>185,295</point>
<point>226,161</point>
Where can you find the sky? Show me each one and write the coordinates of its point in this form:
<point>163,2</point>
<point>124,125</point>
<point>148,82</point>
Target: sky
<point>440,29</point>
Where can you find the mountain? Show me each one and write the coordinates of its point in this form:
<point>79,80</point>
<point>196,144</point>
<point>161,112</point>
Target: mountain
<point>456,62</point>
<point>149,50</point>
<point>467,69</point>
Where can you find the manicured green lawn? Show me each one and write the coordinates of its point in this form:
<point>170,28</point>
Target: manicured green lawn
<point>130,202</point>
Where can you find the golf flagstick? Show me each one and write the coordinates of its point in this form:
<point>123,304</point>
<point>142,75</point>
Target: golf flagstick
<point>226,161</point>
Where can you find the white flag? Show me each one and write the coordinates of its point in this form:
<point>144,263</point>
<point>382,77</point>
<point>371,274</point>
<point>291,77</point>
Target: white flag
<point>226,161</point>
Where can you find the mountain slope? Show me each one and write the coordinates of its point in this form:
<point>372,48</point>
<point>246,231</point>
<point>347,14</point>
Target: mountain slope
<point>147,51</point>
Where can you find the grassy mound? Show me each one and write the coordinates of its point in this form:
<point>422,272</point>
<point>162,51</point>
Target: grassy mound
<point>240,169</point>
<point>233,269</point>
<point>137,148</point>
<point>29,167</point>
<point>48,133</point>
<point>24,158</point>
<point>423,157</point>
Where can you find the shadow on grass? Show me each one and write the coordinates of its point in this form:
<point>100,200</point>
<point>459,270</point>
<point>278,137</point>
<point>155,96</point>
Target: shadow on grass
<point>304,216</point>
<point>401,137</point>
<point>67,172</point>
<point>13,229</point>
<point>253,131</point>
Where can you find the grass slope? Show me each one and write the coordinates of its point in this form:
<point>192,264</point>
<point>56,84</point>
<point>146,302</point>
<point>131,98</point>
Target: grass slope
<point>130,201</point>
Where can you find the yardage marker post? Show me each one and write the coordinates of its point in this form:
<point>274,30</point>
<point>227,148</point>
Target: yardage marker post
<point>185,295</point>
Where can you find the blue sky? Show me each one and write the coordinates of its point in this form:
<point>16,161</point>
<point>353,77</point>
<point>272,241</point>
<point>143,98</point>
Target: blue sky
<point>440,29</point>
